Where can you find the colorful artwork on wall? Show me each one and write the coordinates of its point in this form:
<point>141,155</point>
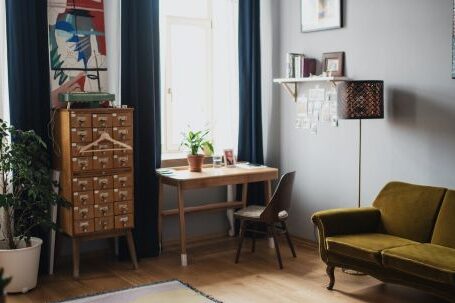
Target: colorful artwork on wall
<point>319,15</point>
<point>77,47</point>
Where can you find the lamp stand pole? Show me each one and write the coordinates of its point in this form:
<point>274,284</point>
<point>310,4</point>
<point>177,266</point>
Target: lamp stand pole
<point>360,162</point>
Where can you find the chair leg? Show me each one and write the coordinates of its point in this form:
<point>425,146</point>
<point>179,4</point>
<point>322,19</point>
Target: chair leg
<point>253,239</point>
<point>291,246</point>
<point>330,270</point>
<point>277,249</point>
<point>241,237</point>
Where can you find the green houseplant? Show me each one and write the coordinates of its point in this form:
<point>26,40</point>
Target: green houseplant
<point>26,196</point>
<point>195,141</point>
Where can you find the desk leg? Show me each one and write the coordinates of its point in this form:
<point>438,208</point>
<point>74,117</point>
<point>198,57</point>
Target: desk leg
<point>230,212</point>
<point>160,217</point>
<point>183,256</point>
<point>245,194</point>
<point>267,197</point>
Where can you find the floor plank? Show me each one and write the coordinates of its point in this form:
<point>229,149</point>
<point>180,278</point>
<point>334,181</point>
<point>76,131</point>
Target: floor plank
<point>212,270</point>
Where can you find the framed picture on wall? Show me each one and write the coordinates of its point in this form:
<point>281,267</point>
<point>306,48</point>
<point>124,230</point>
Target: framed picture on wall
<point>333,64</point>
<point>317,15</point>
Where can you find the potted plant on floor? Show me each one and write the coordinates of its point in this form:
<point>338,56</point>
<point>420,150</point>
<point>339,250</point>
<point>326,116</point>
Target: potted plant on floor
<point>196,141</point>
<point>26,196</point>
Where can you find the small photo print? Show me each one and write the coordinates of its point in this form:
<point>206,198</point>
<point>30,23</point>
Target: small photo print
<point>229,158</point>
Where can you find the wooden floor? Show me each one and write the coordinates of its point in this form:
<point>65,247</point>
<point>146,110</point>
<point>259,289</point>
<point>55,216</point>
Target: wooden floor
<point>255,279</point>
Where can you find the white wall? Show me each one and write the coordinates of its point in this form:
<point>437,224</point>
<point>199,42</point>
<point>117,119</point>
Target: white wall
<point>407,44</point>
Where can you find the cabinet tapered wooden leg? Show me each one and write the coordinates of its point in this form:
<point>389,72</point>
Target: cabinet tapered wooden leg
<point>132,248</point>
<point>76,257</point>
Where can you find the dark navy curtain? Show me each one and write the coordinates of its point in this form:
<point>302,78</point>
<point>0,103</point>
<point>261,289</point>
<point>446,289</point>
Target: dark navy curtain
<point>141,90</point>
<point>250,120</point>
<point>28,74</point>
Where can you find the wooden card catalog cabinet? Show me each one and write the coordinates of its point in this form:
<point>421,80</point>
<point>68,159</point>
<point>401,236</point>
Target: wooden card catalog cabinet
<point>98,182</point>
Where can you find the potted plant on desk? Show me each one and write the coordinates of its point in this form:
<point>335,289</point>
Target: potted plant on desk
<point>26,196</point>
<point>196,141</point>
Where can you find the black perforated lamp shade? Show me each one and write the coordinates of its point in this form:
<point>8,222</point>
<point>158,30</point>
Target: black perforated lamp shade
<point>362,99</point>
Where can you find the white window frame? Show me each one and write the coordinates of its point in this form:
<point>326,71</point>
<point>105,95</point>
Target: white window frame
<point>168,148</point>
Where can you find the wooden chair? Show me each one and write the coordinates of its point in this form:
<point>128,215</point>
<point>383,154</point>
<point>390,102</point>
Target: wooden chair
<point>274,216</point>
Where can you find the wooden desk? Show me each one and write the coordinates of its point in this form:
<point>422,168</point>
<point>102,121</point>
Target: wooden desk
<point>183,180</point>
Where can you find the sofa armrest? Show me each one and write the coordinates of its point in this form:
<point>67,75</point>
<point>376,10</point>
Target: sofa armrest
<point>344,221</point>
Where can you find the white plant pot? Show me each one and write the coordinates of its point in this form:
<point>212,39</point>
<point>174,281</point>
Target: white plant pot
<point>22,265</point>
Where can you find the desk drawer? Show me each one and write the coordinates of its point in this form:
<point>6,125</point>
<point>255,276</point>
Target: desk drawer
<point>123,208</point>
<point>103,182</point>
<point>102,120</point>
<point>82,164</point>
<point>122,119</point>
<point>82,184</point>
<point>82,135</point>
<point>123,194</point>
<point>80,120</point>
<point>124,221</point>
<point>83,198</point>
<point>123,180</point>
<point>106,223</point>
<point>104,210</point>
<point>83,226</point>
<point>103,196</point>
<point>83,212</point>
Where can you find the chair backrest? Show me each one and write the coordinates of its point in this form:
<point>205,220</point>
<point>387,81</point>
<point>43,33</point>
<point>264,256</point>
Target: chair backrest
<point>281,199</point>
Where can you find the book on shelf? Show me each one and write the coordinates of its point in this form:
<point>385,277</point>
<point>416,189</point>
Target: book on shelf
<point>297,66</point>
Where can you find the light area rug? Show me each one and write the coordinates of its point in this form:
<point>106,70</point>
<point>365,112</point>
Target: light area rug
<point>161,292</point>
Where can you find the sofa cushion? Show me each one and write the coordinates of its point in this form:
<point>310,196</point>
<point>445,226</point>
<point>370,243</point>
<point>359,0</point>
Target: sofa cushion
<point>444,233</point>
<point>366,247</point>
<point>409,211</point>
<point>428,261</point>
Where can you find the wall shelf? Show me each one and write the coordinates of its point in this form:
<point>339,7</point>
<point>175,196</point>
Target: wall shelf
<point>290,84</point>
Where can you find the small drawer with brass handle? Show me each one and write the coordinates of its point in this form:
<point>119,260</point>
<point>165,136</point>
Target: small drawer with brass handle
<point>124,221</point>
<point>100,147</point>
<point>82,164</point>
<point>123,180</point>
<point>83,135</point>
<point>82,184</point>
<point>76,146</point>
<point>80,120</point>
<point>105,223</point>
<point>83,226</point>
<point>102,162</point>
<point>122,133</point>
<point>123,208</point>
<point>96,132</point>
<point>122,119</point>
<point>103,196</point>
<point>123,152</point>
<point>83,212</point>
<point>103,182</point>
<point>83,198</point>
<point>123,161</point>
<point>104,210</point>
<point>123,194</point>
<point>102,120</point>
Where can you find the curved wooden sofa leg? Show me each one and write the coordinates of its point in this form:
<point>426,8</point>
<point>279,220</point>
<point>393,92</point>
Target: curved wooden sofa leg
<point>330,270</point>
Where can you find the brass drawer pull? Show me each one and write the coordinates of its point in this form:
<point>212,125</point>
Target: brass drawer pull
<point>104,210</point>
<point>123,195</point>
<point>81,121</point>
<point>84,226</point>
<point>83,212</point>
<point>104,196</point>
<point>124,221</point>
<point>83,199</point>
<point>103,183</point>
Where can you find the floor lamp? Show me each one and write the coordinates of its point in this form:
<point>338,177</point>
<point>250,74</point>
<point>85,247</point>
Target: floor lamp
<point>362,99</point>
<point>358,100</point>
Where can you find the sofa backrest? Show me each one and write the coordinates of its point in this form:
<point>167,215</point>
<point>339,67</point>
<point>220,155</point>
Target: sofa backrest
<point>409,211</point>
<point>444,231</point>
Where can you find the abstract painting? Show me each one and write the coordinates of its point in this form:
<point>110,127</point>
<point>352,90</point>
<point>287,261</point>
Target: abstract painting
<point>319,15</point>
<point>77,47</point>
<point>453,41</point>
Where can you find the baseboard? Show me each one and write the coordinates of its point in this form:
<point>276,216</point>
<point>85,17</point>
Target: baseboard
<point>197,240</point>
<point>305,242</point>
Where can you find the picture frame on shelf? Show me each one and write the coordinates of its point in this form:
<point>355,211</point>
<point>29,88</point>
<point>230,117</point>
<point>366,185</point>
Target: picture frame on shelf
<point>229,157</point>
<point>317,15</point>
<point>333,64</point>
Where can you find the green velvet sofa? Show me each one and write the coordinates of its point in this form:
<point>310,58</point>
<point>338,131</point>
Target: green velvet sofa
<point>407,237</point>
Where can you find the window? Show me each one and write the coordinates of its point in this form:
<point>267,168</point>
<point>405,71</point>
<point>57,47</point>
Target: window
<point>199,71</point>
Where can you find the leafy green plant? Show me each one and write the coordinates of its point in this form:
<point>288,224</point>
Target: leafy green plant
<point>26,186</point>
<point>3,282</point>
<point>196,141</point>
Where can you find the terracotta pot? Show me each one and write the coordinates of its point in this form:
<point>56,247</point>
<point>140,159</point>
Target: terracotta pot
<point>195,162</point>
